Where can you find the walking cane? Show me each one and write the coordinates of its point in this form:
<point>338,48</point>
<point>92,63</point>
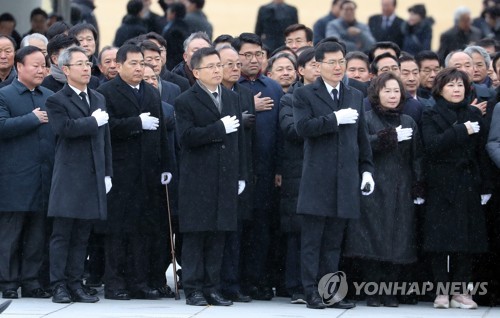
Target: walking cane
<point>172,246</point>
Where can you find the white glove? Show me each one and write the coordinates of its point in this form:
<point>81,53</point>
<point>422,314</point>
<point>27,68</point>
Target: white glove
<point>231,124</point>
<point>419,201</point>
<point>472,126</point>
<point>241,186</point>
<point>101,117</point>
<point>367,181</point>
<point>108,183</point>
<point>149,122</point>
<point>485,198</point>
<point>346,116</point>
<point>166,177</point>
<point>404,133</point>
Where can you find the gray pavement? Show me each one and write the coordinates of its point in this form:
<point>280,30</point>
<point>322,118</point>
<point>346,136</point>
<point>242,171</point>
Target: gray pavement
<point>278,307</point>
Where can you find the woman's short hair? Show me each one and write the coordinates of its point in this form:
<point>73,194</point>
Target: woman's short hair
<point>447,75</point>
<point>378,83</point>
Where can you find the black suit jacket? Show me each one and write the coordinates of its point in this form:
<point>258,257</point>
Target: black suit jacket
<point>169,92</point>
<point>139,158</point>
<point>393,34</point>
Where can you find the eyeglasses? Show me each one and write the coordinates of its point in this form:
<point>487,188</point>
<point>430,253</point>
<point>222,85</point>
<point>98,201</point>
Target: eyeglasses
<point>81,64</point>
<point>428,70</point>
<point>341,62</point>
<point>231,65</point>
<point>250,55</point>
<point>211,67</point>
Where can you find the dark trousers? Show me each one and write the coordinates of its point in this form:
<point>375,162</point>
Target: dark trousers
<point>460,267</point>
<point>22,237</point>
<point>202,254</point>
<point>160,258</point>
<point>321,239</point>
<point>68,251</point>
<point>292,266</point>
<point>126,261</point>
<point>378,272</point>
<point>230,279</point>
<point>96,256</point>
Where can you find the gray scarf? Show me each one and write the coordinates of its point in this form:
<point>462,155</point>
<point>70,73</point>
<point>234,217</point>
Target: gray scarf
<point>57,73</point>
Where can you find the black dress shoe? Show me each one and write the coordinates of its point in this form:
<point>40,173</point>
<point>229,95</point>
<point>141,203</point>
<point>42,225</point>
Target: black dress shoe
<point>216,299</point>
<point>165,292</point>
<point>373,301</point>
<point>146,293</point>
<point>79,295</point>
<point>196,298</point>
<point>264,293</point>
<point>314,301</point>
<point>89,290</point>
<point>10,294</point>
<point>343,304</point>
<point>391,301</point>
<point>35,293</point>
<point>61,295</point>
<point>4,305</point>
<point>237,297</point>
<point>120,294</point>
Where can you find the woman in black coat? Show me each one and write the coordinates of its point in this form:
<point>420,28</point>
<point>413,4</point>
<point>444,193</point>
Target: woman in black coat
<point>454,226</point>
<point>384,236</point>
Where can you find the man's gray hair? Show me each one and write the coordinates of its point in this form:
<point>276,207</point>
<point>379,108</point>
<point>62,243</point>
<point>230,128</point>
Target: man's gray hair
<point>227,47</point>
<point>278,56</point>
<point>104,49</point>
<point>35,36</point>
<point>450,55</point>
<point>460,11</point>
<point>477,49</point>
<point>197,35</point>
<point>67,54</point>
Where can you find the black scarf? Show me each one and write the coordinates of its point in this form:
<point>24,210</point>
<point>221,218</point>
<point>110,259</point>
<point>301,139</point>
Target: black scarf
<point>453,112</point>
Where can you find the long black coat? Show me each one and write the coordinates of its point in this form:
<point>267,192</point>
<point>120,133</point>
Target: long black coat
<point>137,200</point>
<point>392,34</point>
<point>272,20</point>
<point>211,161</point>
<point>82,158</point>
<point>334,156</point>
<point>386,229</point>
<point>26,149</point>
<point>290,164</point>
<point>456,177</point>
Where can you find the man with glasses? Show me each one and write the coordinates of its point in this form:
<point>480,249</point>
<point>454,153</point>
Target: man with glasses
<point>82,175</point>
<point>337,168</point>
<point>212,175</point>
<point>428,64</point>
<point>258,237</point>
<point>297,36</point>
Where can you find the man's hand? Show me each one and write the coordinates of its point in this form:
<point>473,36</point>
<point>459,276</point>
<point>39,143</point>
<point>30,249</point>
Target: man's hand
<point>101,117</point>
<point>353,31</point>
<point>263,103</point>
<point>241,186</point>
<point>248,119</point>
<point>149,122</point>
<point>278,180</point>
<point>346,116</point>
<point>108,184</point>
<point>165,178</point>
<point>41,115</point>
<point>481,106</point>
<point>231,123</point>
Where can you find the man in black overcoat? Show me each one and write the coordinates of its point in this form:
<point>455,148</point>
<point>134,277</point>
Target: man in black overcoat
<point>137,204</point>
<point>82,174</point>
<point>212,166</point>
<point>329,115</point>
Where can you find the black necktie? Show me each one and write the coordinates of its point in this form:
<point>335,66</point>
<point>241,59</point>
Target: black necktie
<point>137,94</point>
<point>334,95</point>
<point>215,94</point>
<point>83,95</point>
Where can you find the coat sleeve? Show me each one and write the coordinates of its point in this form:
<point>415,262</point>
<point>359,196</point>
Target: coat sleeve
<point>189,134</point>
<point>493,145</point>
<point>287,124</point>
<point>437,141</point>
<point>65,126</point>
<point>306,123</point>
<point>365,149</point>
<point>11,127</point>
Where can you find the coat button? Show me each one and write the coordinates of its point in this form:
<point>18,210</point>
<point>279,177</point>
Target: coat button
<point>223,146</point>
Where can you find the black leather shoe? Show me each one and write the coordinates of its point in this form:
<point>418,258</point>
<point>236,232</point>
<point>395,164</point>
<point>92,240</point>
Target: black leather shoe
<point>61,295</point>
<point>146,293</point>
<point>80,296</point>
<point>196,298</point>
<point>264,293</point>
<point>4,305</point>
<point>373,301</point>
<point>216,299</point>
<point>10,294</point>
<point>120,294</point>
<point>165,292</point>
<point>89,290</point>
<point>237,297</point>
<point>343,304</point>
<point>314,301</point>
<point>391,301</point>
<point>35,293</point>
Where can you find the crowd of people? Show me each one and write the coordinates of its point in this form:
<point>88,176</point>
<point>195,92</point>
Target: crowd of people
<point>264,160</point>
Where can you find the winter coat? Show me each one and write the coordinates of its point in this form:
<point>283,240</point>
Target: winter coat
<point>418,37</point>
